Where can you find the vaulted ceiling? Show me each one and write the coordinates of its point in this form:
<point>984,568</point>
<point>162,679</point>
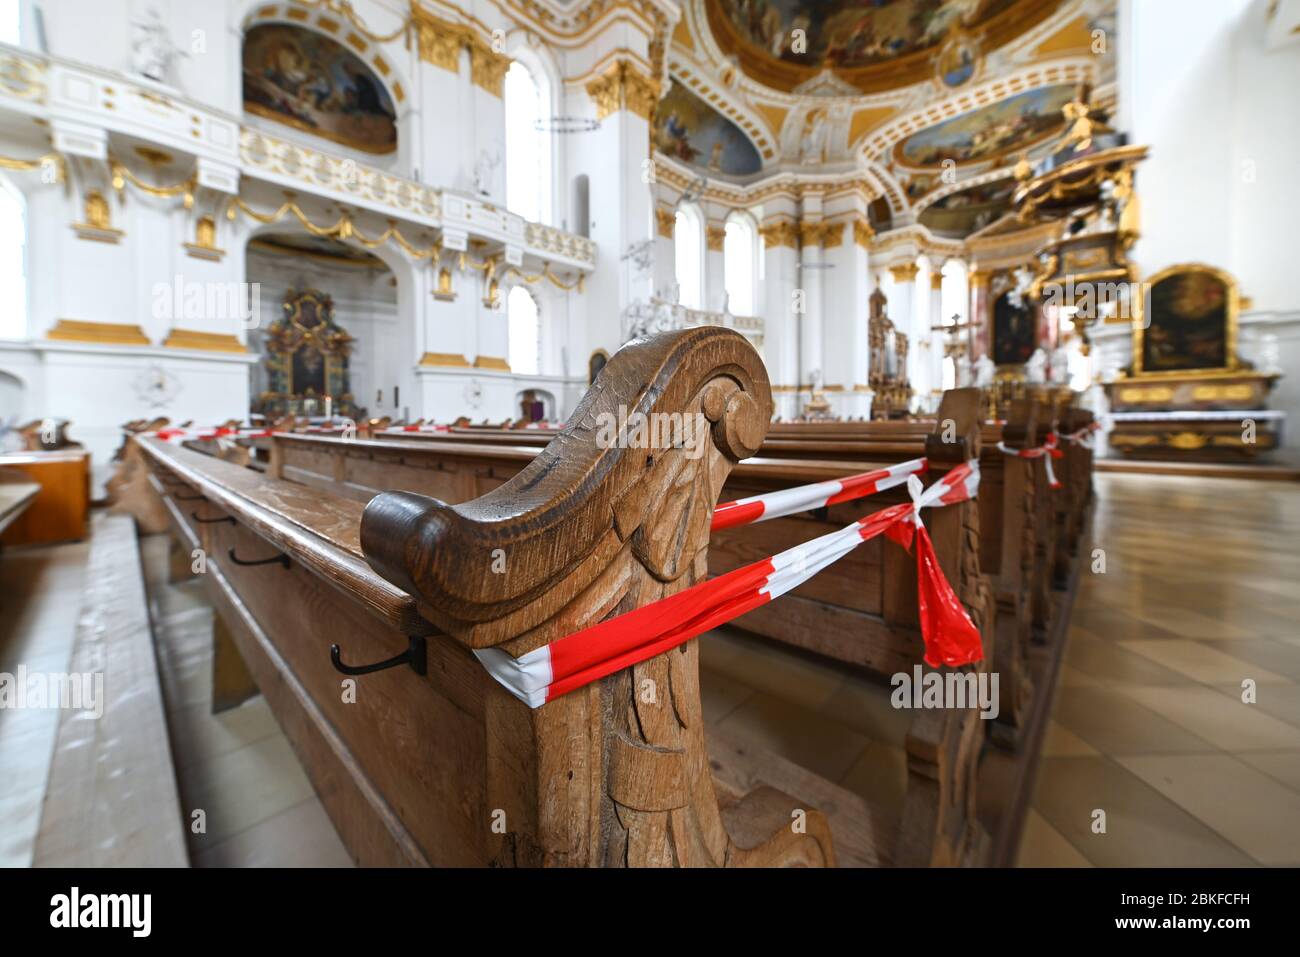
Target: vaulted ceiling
<point>931,98</point>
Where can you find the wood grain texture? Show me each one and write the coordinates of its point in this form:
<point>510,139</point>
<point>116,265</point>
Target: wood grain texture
<point>111,798</point>
<point>615,773</point>
<point>61,511</point>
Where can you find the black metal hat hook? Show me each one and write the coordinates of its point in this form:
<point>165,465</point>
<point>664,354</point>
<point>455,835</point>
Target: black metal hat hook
<point>415,655</point>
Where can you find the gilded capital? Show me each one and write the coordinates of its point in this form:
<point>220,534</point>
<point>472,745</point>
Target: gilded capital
<point>487,68</point>
<point>863,233</point>
<point>715,236</point>
<point>623,87</point>
<point>780,232</point>
<point>665,219</point>
<point>904,273</point>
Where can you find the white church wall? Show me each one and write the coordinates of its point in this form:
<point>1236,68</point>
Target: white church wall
<point>1220,186</point>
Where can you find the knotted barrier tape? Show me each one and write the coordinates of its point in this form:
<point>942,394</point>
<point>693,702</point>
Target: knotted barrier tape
<point>1047,451</point>
<point>575,660</point>
<point>1085,437</point>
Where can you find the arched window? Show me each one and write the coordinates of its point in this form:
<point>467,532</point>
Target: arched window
<point>528,146</point>
<point>525,332</point>
<point>9,20</point>
<point>739,250</point>
<point>13,263</point>
<point>688,245</point>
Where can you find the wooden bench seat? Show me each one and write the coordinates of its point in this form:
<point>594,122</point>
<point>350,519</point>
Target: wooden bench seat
<point>17,493</point>
<point>423,768</point>
<point>61,511</point>
<point>111,798</point>
<point>866,634</point>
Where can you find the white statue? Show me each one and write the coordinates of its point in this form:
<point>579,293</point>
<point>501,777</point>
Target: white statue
<point>961,366</point>
<point>1060,366</point>
<point>812,145</point>
<point>152,49</point>
<point>483,170</point>
<point>1036,368</point>
<point>984,372</point>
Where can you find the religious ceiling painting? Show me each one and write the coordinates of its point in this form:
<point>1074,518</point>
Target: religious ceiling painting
<point>312,83</point>
<point>872,44</point>
<point>1190,314</point>
<point>989,132</point>
<point>693,132</point>
<point>969,210</point>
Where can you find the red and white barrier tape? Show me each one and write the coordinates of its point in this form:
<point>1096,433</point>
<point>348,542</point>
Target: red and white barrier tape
<point>1084,437</point>
<point>789,501</point>
<point>576,660</point>
<point>171,434</point>
<point>1047,451</point>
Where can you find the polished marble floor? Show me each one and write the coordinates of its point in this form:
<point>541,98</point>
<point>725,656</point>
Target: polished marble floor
<point>1199,597</point>
<point>1200,593</point>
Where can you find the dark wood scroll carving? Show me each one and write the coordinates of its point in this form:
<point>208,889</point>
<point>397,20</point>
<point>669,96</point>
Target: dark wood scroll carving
<point>616,773</point>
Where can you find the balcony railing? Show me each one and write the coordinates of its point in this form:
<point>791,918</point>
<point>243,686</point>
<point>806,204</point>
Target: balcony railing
<point>88,97</point>
<point>645,318</point>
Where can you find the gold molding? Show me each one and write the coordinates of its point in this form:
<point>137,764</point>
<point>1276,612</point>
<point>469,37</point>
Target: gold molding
<point>104,333</point>
<point>665,219</point>
<point>492,362</point>
<point>623,87</point>
<point>203,341</point>
<point>440,41</point>
<point>781,232</point>
<point>450,360</point>
<point>487,68</point>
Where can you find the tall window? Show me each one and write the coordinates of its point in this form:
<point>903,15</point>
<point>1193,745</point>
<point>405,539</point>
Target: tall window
<point>9,32</point>
<point>13,263</point>
<point>688,245</point>
<point>953,301</point>
<point>528,146</point>
<point>738,252</point>
<point>525,331</point>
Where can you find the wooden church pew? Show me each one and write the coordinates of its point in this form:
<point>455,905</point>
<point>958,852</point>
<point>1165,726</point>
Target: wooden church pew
<point>879,632</point>
<point>449,767</point>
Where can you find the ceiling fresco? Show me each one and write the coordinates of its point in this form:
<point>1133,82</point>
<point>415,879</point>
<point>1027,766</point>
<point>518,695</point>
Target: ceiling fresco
<point>990,132</point>
<point>969,210</point>
<point>872,44</point>
<point>691,131</point>
<point>312,83</point>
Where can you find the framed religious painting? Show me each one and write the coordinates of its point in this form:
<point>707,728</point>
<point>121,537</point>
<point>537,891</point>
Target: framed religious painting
<point>1186,321</point>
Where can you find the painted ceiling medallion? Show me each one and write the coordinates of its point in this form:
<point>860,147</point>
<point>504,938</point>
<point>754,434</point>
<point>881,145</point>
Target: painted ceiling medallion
<point>989,132</point>
<point>691,131</point>
<point>872,44</point>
